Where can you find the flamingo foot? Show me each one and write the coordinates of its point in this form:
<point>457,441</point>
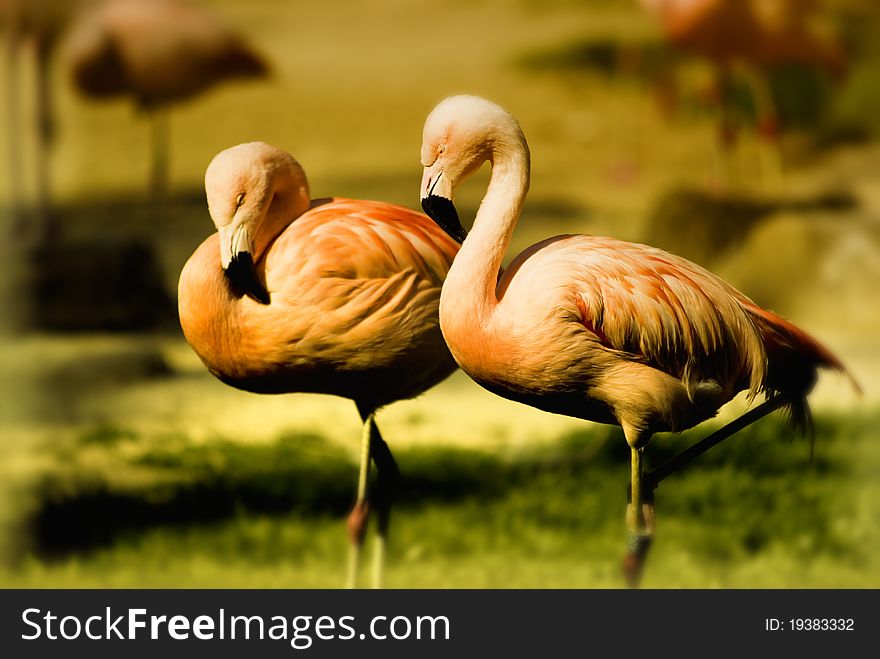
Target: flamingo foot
<point>357,522</point>
<point>641,536</point>
<point>634,561</point>
<point>357,530</point>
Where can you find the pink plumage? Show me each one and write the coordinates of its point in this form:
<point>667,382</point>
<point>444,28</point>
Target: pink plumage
<point>597,328</point>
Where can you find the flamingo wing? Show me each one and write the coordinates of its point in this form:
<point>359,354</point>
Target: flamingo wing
<point>657,308</point>
<point>370,240</point>
<point>685,321</point>
<point>355,284</point>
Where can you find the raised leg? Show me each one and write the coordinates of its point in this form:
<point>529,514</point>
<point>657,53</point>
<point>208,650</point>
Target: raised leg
<point>387,478</point>
<point>357,519</point>
<point>675,463</point>
<point>639,521</point>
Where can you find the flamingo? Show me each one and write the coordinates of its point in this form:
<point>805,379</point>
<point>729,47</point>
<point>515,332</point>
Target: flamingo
<point>40,22</point>
<point>756,37</point>
<point>598,328</point>
<point>764,35</point>
<point>331,296</point>
<point>158,52</point>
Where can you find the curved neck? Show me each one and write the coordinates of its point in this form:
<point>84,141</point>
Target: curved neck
<point>289,200</point>
<point>474,273</point>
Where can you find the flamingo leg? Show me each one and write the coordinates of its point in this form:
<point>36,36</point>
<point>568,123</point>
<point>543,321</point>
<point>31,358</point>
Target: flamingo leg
<point>675,463</point>
<point>640,511</point>
<point>770,163</point>
<point>387,477</point>
<point>160,137</point>
<point>639,521</point>
<point>728,130</point>
<point>357,519</point>
<point>13,134</point>
<point>45,138</point>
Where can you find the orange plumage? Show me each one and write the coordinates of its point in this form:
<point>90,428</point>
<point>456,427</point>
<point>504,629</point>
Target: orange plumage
<point>333,296</point>
<point>354,286</point>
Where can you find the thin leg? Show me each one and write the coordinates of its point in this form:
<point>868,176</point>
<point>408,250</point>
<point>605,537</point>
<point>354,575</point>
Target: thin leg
<point>640,511</point>
<point>13,135</point>
<point>387,478</point>
<point>357,519</point>
<point>686,456</point>
<point>728,131</point>
<point>639,521</point>
<point>45,139</point>
<point>160,138</point>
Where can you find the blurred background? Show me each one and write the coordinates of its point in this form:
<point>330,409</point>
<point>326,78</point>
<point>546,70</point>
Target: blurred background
<point>742,135</point>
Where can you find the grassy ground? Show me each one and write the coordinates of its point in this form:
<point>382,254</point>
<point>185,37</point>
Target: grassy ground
<point>113,508</point>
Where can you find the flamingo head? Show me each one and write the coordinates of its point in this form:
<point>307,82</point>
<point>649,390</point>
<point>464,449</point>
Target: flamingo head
<point>254,192</point>
<point>460,134</point>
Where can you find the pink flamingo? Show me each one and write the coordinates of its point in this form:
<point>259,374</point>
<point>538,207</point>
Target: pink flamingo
<point>730,31</point>
<point>330,296</point>
<point>598,328</point>
<point>158,52</point>
<point>737,33</point>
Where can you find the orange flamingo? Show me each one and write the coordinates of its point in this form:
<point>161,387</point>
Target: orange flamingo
<point>329,296</point>
<point>598,328</point>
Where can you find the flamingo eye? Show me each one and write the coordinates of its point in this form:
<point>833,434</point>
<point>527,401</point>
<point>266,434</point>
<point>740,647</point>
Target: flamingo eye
<point>441,149</point>
<point>239,201</point>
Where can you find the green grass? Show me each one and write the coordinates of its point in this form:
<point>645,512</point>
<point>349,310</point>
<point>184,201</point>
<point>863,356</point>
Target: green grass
<point>114,509</point>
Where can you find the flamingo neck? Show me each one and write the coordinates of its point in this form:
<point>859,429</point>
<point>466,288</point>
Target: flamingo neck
<point>289,200</point>
<point>473,277</point>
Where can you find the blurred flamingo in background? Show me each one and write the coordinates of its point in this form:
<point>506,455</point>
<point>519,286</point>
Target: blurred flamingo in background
<point>40,23</point>
<point>753,38</point>
<point>330,296</point>
<point>157,52</point>
<point>762,34</point>
<point>597,328</point>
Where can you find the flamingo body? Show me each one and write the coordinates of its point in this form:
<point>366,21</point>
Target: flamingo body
<point>764,34</point>
<point>354,289</point>
<point>618,332</point>
<point>156,51</point>
<point>592,327</point>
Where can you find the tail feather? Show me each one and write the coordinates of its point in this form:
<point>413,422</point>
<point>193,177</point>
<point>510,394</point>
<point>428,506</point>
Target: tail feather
<point>789,345</point>
<point>793,359</point>
<point>800,416</point>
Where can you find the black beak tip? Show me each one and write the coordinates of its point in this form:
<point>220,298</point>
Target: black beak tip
<point>442,211</point>
<point>260,294</point>
<point>242,274</point>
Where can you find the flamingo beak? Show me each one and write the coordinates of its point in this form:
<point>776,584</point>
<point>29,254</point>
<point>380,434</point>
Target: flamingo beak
<point>437,203</point>
<point>238,263</point>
